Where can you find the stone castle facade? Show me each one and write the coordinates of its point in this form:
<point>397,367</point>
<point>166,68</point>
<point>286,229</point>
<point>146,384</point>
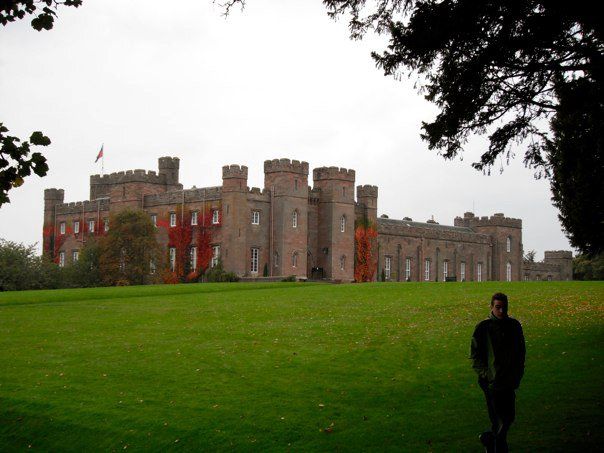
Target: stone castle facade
<point>290,228</point>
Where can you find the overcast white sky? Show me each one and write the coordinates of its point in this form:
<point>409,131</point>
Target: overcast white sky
<point>150,78</point>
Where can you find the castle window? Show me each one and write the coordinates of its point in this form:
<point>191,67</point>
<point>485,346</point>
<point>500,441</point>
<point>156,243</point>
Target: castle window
<point>445,270</point>
<point>75,256</point>
<point>408,269</point>
<point>479,272</point>
<point>62,228</point>
<point>508,272</point>
<point>508,244</point>
<point>61,259</point>
<point>154,219</point>
<point>255,217</point>
<point>152,267</point>
<point>172,219</point>
<point>526,277</point>
<point>295,184</point>
<point>295,259</point>
<point>193,259</point>
<point>91,226</point>
<point>215,255</point>
<point>194,218</point>
<point>343,224</point>
<point>343,191</point>
<point>427,270</point>
<point>387,267</point>
<point>106,225</point>
<point>76,226</point>
<point>295,219</point>
<point>343,262</point>
<point>172,259</point>
<point>549,278</point>
<point>462,271</point>
<point>254,263</point>
<point>276,259</point>
<point>215,217</point>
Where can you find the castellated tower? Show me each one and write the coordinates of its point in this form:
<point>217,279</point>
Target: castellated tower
<point>235,216</point>
<point>336,216</point>
<point>168,170</point>
<point>562,258</point>
<point>366,213</point>
<point>52,198</point>
<point>506,243</point>
<point>287,181</point>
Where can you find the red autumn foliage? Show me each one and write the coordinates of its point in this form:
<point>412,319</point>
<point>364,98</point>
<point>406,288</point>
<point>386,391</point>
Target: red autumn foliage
<point>53,240</point>
<point>365,264</point>
<point>179,237</point>
<point>204,240</point>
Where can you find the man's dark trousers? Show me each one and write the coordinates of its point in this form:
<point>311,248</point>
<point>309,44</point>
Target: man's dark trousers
<point>501,404</point>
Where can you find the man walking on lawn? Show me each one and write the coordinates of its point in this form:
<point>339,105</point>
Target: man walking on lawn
<point>497,352</point>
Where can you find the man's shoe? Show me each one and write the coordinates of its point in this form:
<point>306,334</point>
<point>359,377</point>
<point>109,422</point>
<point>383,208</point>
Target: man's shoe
<point>488,440</point>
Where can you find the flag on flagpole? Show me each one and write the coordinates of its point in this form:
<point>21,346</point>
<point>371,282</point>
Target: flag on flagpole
<point>99,155</point>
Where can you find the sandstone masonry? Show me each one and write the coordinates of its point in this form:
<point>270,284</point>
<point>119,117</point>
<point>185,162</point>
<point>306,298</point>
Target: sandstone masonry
<point>290,228</point>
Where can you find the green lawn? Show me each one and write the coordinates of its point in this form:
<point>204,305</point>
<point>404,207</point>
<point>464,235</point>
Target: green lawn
<point>288,366</point>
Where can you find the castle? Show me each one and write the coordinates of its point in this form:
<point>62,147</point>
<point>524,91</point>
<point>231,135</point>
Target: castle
<point>288,228</point>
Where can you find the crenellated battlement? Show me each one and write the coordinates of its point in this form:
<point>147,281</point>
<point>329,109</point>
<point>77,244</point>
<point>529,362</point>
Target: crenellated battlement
<point>77,207</point>
<point>121,177</point>
<point>176,197</point>
<point>497,220</point>
<point>286,165</point>
<point>328,173</point>
<point>558,255</point>
<point>367,191</point>
<point>234,171</point>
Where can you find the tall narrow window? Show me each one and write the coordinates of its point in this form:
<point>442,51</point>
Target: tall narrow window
<point>106,225</point>
<point>154,219</point>
<point>75,256</point>
<point>152,267</point>
<point>255,217</point>
<point>172,258</point>
<point>508,272</point>
<point>193,259</point>
<point>445,270</point>
<point>276,259</point>
<point>295,219</point>
<point>215,217</point>
<point>427,270</point>
<point>215,255</point>
<point>408,269</point>
<point>295,184</point>
<point>254,264</point>
<point>387,267</point>
<point>62,227</point>
<point>295,259</point>
<point>508,244</point>
<point>479,272</point>
<point>343,263</point>
<point>344,192</point>
<point>91,226</point>
<point>76,226</point>
<point>462,272</point>
<point>61,259</point>
<point>343,224</point>
<point>194,218</point>
<point>172,219</point>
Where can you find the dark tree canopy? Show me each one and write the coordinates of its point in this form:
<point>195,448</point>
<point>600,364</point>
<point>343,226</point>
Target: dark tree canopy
<point>44,11</point>
<point>503,68</point>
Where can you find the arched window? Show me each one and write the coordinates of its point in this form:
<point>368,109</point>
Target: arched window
<point>343,262</point>
<point>295,259</point>
<point>508,272</point>
<point>295,219</point>
<point>343,224</point>
<point>508,244</point>
<point>276,259</point>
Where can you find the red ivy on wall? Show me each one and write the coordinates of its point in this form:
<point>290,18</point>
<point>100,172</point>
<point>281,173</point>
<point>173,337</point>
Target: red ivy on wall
<point>179,237</point>
<point>53,241</point>
<point>365,265</point>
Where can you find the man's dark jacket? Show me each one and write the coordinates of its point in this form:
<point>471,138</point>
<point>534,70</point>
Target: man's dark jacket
<point>497,352</point>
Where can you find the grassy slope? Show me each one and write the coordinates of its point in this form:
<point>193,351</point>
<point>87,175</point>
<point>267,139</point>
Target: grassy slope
<point>309,367</point>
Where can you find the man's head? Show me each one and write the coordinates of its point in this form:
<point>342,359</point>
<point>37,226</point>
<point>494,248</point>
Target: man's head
<point>499,305</point>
